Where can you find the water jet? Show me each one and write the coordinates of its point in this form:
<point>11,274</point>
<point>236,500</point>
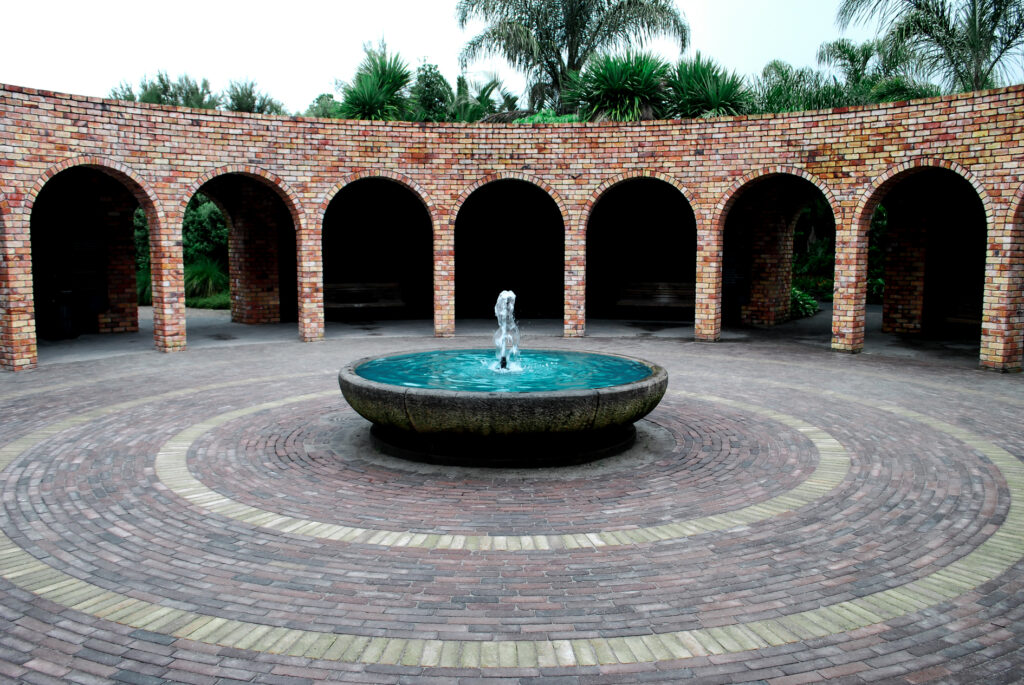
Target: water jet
<point>506,407</point>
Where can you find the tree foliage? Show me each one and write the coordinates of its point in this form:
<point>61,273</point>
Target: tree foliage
<point>431,95</point>
<point>550,39</point>
<point>967,44</point>
<point>242,96</point>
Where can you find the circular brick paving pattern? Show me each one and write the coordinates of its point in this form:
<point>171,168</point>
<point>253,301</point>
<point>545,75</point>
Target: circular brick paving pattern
<point>785,516</point>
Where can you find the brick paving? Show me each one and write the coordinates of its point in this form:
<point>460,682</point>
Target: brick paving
<point>788,515</point>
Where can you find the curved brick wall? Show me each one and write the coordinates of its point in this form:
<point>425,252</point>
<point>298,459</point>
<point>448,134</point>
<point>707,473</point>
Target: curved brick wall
<point>163,155</point>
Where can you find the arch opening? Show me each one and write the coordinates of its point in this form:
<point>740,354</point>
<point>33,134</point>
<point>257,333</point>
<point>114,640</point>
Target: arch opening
<point>88,240</point>
<point>258,247</point>
<point>927,251</point>
<point>377,253</point>
<point>779,235</point>
<point>642,253</point>
<point>509,235</point>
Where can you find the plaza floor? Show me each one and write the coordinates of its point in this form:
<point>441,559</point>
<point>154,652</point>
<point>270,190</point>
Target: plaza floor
<point>788,515</point>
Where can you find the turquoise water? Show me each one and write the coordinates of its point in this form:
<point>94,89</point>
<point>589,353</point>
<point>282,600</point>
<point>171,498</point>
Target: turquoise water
<point>477,370</point>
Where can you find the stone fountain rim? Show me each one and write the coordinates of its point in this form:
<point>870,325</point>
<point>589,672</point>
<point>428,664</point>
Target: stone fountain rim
<point>348,372</point>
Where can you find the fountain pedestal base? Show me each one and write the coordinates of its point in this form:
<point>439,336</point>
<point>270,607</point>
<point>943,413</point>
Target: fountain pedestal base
<point>524,450</point>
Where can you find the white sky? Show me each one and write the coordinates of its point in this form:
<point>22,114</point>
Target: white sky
<point>295,49</point>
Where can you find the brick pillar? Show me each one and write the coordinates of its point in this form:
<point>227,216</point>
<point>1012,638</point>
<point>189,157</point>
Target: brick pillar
<point>575,313</point>
<point>122,314</point>
<point>165,258</point>
<point>444,275</point>
<point>708,312</point>
<point>310,276</point>
<point>905,253</point>
<point>771,268</point>
<point>252,268</point>
<point>17,312</point>
<point>849,301</point>
<point>1002,332</point>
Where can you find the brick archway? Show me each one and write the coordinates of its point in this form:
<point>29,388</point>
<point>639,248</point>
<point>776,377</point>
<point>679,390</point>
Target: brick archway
<point>268,240</point>
<point>593,248</point>
<point>541,198</point>
<point>124,314</point>
<point>711,243</point>
<point>400,283</point>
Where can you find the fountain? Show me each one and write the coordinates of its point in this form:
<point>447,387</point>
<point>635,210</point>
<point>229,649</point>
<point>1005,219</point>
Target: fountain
<point>503,407</point>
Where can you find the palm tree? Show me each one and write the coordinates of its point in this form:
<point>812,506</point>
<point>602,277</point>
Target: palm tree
<point>969,44</point>
<point>876,70</point>
<point>549,39</point>
<point>379,90</point>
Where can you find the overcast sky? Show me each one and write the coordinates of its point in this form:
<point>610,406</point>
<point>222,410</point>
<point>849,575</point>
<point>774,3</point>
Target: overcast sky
<point>295,49</point>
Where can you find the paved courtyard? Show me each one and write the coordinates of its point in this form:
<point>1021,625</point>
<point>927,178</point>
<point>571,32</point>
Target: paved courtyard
<point>788,515</point>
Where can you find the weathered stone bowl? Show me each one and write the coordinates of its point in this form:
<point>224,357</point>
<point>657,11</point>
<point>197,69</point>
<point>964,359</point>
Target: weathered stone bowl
<point>503,428</point>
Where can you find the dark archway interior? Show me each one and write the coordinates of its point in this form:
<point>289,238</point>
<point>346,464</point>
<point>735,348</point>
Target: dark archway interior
<point>642,253</point>
<point>509,235</point>
<point>261,249</point>
<point>83,255</point>
<point>377,253</point>
<point>773,220</point>
<point>933,244</point>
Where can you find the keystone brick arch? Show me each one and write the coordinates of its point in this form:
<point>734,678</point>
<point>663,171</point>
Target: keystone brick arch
<point>270,179</point>
<point>870,199</point>
<point>728,199</point>
<point>395,176</point>
<point>609,183</point>
<point>514,176</point>
<point>133,181</point>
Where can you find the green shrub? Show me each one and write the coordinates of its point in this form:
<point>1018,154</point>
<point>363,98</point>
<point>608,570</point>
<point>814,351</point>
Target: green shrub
<point>625,87</point>
<point>548,116</point>
<point>144,286</point>
<point>801,305</point>
<point>216,301</point>
<point>819,287</point>
<point>699,87</point>
<point>205,277</point>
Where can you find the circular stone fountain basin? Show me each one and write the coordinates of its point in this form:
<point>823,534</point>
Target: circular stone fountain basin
<point>456,406</point>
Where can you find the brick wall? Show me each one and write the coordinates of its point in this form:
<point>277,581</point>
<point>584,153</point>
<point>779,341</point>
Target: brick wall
<point>163,155</point>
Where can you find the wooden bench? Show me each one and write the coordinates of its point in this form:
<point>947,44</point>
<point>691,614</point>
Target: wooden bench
<point>362,296</point>
<point>676,295</point>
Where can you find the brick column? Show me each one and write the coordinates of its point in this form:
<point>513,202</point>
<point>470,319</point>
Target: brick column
<point>905,256</point>
<point>17,311</point>
<point>165,257</point>
<point>1002,332</point>
<point>771,268</point>
<point>708,311</point>
<point>310,274</point>
<point>122,313</point>
<point>444,275</point>
<point>849,302</point>
<point>575,309</point>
